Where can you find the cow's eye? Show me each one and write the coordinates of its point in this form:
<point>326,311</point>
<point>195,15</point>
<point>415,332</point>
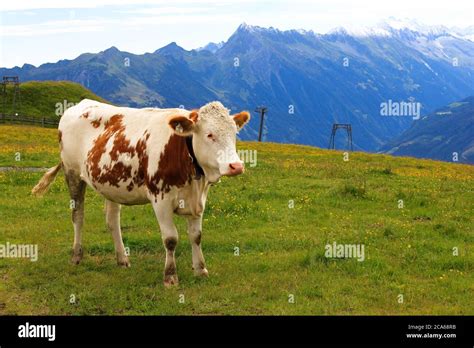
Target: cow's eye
<point>210,136</point>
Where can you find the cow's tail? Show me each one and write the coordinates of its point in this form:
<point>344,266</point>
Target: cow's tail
<point>43,185</point>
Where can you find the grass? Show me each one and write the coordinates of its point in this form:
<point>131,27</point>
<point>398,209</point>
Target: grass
<point>47,98</point>
<point>408,251</point>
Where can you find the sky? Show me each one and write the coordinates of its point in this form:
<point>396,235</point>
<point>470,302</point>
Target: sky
<point>37,32</point>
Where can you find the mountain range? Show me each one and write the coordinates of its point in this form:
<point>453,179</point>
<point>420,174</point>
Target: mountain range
<point>307,80</point>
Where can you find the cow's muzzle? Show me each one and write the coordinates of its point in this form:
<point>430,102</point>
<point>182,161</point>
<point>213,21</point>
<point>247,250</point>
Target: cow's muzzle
<point>235,168</point>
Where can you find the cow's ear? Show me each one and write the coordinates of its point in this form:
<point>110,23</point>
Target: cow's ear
<point>194,116</point>
<point>181,125</point>
<point>241,119</point>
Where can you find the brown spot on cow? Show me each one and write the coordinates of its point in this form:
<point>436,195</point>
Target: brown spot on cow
<point>170,243</point>
<point>94,155</point>
<point>119,171</point>
<point>175,167</point>
<point>115,174</point>
<point>85,114</point>
<point>121,146</point>
<point>141,151</point>
<point>96,123</point>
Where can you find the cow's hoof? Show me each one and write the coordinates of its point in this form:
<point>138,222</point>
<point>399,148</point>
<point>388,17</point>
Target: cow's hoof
<point>76,259</point>
<point>201,273</point>
<point>171,281</point>
<point>123,261</point>
<point>77,254</point>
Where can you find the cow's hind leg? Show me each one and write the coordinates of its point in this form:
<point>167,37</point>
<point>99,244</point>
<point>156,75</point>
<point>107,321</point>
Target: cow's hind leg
<point>194,234</point>
<point>77,190</point>
<point>113,224</point>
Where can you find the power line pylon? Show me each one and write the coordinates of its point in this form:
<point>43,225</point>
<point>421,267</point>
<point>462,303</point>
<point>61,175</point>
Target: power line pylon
<point>15,81</point>
<point>348,129</point>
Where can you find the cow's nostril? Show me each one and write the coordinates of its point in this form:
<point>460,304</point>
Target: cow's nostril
<point>231,166</point>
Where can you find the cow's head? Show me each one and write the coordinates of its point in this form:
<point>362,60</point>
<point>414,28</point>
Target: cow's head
<point>214,136</point>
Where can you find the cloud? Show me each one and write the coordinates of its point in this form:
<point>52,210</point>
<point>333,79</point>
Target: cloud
<point>61,4</point>
<point>77,4</point>
<point>153,11</point>
<point>95,25</point>
<point>52,27</point>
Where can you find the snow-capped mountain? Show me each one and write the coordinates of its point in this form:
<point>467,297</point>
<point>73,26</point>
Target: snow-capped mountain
<point>398,27</point>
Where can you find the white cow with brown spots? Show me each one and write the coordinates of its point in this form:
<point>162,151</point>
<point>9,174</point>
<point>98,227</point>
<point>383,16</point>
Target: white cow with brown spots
<point>166,157</point>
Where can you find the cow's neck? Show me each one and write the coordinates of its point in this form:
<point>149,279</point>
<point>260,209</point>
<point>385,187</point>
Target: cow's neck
<point>198,169</point>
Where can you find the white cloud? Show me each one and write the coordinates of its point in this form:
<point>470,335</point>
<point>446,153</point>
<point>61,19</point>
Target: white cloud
<point>77,4</point>
<point>166,10</point>
<point>52,27</point>
<point>50,4</point>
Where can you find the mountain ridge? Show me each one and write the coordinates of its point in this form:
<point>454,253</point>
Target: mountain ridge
<point>300,75</point>
<point>446,134</point>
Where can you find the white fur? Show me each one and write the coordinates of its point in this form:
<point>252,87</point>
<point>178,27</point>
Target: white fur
<point>215,156</point>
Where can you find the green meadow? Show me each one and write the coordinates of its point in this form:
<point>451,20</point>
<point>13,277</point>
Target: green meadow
<point>46,98</point>
<point>264,238</point>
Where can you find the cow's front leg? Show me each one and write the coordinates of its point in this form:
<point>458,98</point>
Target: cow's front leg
<point>112,218</point>
<point>164,213</point>
<point>194,234</point>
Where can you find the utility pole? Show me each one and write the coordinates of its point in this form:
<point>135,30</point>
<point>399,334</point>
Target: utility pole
<point>262,110</point>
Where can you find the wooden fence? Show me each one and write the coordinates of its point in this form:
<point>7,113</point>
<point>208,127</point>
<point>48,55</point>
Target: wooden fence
<point>41,121</point>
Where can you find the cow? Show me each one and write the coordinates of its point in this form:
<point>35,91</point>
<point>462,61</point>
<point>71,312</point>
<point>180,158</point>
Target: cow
<point>166,157</point>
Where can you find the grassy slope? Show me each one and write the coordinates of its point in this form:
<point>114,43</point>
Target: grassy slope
<point>39,98</point>
<point>408,251</point>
